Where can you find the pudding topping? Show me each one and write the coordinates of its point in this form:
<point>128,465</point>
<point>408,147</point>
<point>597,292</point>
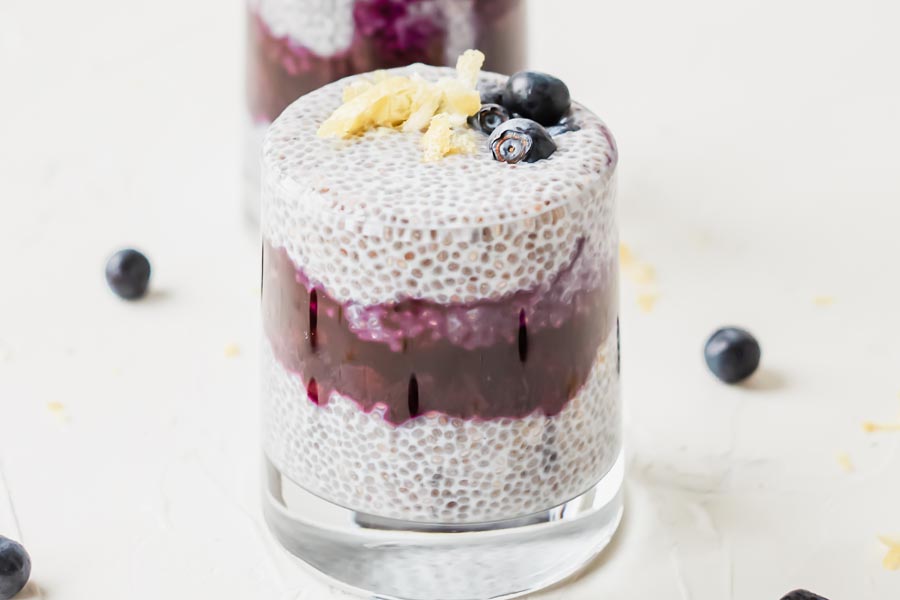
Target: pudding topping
<point>513,115</point>
<point>411,104</point>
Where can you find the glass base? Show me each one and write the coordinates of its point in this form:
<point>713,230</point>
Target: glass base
<point>390,559</point>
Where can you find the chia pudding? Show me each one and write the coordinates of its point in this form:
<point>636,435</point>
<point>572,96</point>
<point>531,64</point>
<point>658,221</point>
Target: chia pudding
<point>296,46</point>
<point>441,337</point>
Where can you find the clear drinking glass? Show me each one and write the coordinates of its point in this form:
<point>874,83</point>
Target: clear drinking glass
<point>441,411</point>
<point>296,46</point>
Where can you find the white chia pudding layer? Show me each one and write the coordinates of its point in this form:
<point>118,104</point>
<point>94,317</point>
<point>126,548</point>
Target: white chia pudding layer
<point>324,26</point>
<point>372,223</point>
<point>439,469</point>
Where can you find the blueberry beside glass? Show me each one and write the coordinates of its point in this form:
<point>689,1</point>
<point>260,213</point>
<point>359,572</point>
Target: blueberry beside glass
<point>15,568</point>
<point>732,354</point>
<point>128,274</point>
<point>803,595</point>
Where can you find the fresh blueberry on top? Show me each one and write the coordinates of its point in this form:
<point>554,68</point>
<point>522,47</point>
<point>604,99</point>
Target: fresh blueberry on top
<point>128,274</point>
<point>537,96</point>
<point>732,354</point>
<point>521,139</point>
<point>564,125</point>
<point>803,595</point>
<point>15,568</point>
<point>489,117</point>
<point>491,92</point>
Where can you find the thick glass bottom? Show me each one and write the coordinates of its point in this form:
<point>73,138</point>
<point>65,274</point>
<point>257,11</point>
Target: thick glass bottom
<point>400,560</point>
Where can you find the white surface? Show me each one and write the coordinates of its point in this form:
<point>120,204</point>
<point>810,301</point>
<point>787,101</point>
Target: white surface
<point>758,171</point>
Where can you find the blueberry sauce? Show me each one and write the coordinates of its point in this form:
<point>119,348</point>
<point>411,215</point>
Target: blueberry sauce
<point>523,336</point>
<point>413,397</point>
<point>312,390</point>
<point>534,349</point>
<point>313,317</point>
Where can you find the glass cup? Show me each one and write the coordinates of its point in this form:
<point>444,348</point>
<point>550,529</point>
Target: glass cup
<point>296,46</point>
<point>440,404</point>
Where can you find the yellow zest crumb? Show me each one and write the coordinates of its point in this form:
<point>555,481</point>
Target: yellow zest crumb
<point>642,275</point>
<point>891,560</point>
<point>626,256</point>
<point>58,410</point>
<point>232,350</point>
<point>871,427</point>
<point>440,140</point>
<point>412,104</point>
<point>636,271</point>
<point>823,301</point>
<point>355,89</point>
<point>468,66</point>
<point>423,107</point>
<point>844,461</point>
<point>646,302</point>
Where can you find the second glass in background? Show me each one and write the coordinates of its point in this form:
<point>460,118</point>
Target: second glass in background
<point>296,46</point>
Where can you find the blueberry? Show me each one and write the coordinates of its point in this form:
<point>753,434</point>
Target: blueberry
<point>564,125</point>
<point>537,96</point>
<point>732,354</point>
<point>521,139</point>
<point>803,595</point>
<point>128,274</point>
<point>15,568</point>
<point>491,92</point>
<point>489,117</point>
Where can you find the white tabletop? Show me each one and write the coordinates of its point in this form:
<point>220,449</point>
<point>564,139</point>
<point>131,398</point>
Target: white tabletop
<point>758,179</point>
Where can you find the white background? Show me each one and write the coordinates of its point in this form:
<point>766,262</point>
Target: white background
<point>759,171</point>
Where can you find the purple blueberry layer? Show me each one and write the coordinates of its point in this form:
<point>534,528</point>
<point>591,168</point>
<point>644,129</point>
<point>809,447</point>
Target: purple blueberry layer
<point>529,352</point>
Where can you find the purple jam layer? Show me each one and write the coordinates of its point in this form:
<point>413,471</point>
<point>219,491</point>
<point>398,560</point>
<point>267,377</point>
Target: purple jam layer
<point>535,348</point>
<point>388,33</point>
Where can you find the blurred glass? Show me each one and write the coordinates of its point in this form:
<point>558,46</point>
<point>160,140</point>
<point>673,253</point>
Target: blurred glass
<point>296,46</point>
